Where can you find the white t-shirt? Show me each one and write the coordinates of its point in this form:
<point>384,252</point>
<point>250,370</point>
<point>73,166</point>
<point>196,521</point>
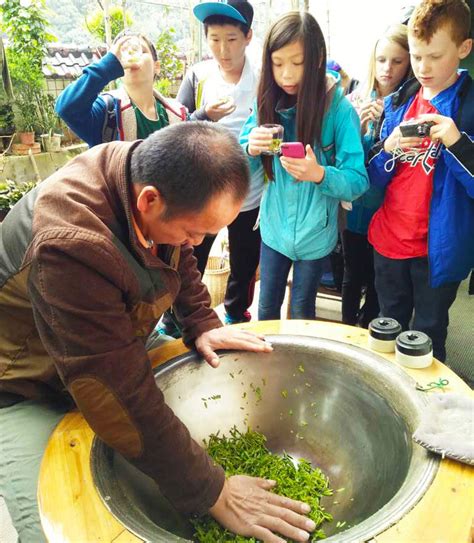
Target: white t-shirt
<point>243,93</point>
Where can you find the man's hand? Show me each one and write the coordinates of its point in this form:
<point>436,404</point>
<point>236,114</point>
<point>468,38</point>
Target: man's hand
<point>217,110</point>
<point>304,169</point>
<point>444,130</point>
<point>246,507</point>
<point>229,337</point>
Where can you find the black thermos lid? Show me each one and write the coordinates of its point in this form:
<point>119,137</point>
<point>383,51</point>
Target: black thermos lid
<point>384,328</point>
<point>414,343</point>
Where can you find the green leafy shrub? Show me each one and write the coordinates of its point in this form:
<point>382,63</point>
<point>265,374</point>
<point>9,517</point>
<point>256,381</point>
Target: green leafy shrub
<point>171,67</point>
<point>96,26</point>
<point>25,23</point>
<point>7,119</point>
<point>11,192</point>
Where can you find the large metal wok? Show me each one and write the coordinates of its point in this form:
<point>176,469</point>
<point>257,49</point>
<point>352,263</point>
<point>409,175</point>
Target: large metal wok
<point>347,410</point>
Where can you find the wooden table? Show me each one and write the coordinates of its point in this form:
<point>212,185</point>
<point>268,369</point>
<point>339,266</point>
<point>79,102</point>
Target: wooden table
<point>72,511</point>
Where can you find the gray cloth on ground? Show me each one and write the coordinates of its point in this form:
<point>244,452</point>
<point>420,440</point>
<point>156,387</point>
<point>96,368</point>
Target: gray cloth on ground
<point>447,427</point>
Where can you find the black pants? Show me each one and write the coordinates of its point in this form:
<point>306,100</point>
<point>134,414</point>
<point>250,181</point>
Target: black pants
<point>403,287</point>
<point>244,254</point>
<point>358,273</point>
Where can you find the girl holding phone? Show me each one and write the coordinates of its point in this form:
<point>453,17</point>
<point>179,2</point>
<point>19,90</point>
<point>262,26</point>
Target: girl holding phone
<point>299,208</point>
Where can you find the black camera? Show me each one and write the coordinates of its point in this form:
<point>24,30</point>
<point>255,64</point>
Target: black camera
<point>415,129</point>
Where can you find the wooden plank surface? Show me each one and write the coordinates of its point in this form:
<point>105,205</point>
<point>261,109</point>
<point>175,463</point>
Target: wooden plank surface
<point>72,511</point>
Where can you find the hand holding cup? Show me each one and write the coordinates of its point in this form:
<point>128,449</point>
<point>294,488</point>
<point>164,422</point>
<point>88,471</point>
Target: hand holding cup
<point>220,108</point>
<point>265,140</point>
<point>128,50</point>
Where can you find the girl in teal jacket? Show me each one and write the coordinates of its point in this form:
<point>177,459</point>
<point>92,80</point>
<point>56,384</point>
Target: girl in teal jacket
<point>299,208</point>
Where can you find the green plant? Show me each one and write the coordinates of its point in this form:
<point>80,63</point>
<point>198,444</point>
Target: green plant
<point>26,25</point>
<point>171,67</point>
<point>7,119</point>
<point>96,26</point>
<point>48,120</point>
<point>26,114</point>
<point>11,192</point>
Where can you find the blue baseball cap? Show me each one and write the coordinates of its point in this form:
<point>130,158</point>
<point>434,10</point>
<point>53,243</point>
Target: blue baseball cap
<point>239,10</point>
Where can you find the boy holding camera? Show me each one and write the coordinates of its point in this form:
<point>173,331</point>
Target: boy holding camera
<point>423,234</point>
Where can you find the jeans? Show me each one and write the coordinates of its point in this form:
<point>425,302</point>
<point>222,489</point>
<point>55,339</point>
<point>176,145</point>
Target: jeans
<point>358,273</point>
<point>274,269</point>
<point>403,289</point>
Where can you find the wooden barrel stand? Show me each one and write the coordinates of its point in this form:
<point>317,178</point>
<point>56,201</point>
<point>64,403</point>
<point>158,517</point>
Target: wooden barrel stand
<point>72,511</point>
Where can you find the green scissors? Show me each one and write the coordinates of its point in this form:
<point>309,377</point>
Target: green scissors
<point>440,383</point>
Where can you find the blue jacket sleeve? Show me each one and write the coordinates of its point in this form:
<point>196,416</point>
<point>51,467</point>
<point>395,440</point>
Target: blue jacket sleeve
<point>347,179</point>
<point>460,160</point>
<point>80,105</point>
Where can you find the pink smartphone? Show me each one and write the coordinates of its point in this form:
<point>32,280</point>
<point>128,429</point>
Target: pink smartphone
<point>292,149</point>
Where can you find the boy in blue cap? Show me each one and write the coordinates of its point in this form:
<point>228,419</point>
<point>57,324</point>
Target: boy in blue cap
<point>223,90</point>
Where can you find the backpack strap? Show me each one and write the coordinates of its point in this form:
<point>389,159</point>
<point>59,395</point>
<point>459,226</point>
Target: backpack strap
<point>200,89</point>
<point>200,73</point>
<point>109,128</point>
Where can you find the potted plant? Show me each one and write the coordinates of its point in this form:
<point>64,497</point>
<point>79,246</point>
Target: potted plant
<point>10,193</point>
<point>49,123</point>
<point>26,120</point>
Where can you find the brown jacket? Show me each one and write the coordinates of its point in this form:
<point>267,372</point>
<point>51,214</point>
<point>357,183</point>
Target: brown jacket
<point>78,297</point>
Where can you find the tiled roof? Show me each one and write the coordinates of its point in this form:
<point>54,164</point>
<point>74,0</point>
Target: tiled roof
<point>67,62</point>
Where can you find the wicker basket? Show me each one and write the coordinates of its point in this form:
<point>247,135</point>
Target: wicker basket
<point>215,278</point>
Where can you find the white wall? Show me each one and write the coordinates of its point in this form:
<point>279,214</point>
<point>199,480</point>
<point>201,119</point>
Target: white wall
<point>354,27</point>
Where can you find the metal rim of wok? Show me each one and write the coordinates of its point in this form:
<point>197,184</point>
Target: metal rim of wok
<point>408,495</point>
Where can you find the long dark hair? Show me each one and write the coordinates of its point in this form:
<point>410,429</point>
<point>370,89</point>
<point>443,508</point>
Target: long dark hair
<point>312,94</point>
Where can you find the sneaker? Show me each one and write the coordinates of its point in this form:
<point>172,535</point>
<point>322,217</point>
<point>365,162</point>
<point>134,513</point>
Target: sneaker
<point>246,317</point>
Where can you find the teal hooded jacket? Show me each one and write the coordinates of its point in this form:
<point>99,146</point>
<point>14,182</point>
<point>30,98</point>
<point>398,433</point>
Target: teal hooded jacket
<point>299,219</point>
